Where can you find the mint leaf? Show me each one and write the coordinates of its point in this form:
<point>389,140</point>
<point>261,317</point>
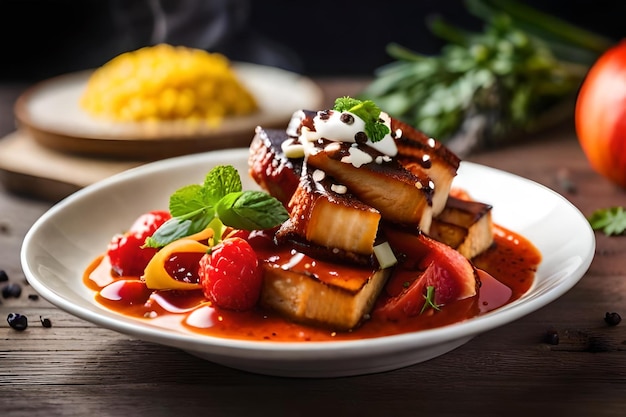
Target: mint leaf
<point>366,110</point>
<point>221,181</point>
<point>176,228</point>
<point>187,199</point>
<point>218,202</point>
<point>611,221</point>
<point>251,210</point>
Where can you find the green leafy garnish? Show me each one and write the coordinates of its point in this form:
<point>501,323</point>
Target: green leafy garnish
<point>367,110</point>
<point>430,299</point>
<point>611,221</point>
<point>218,202</point>
<point>519,74</point>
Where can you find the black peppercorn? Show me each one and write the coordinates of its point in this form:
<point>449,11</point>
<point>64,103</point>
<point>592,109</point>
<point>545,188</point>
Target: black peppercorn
<point>17,321</point>
<point>12,290</point>
<point>33,297</point>
<point>612,319</point>
<point>45,322</point>
<point>4,277</point>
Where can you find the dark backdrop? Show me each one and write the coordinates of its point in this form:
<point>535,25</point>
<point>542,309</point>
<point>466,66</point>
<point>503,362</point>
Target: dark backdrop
<point>42,38</point>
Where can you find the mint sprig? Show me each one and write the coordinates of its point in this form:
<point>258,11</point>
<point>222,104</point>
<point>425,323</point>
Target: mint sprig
<point>218,202</point>
<point>367,110</point>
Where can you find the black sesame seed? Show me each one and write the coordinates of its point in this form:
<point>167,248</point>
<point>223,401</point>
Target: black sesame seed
<point>12,290</point>
<point>612,319</point>
<point>4,277</point>
<point>45,322</point>
<point>17,321</point>
<point>33,297</point>
<point>347,118</point>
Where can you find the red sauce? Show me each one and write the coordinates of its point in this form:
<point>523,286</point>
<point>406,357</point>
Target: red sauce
<point>507,271</point>
<point>184,266</point>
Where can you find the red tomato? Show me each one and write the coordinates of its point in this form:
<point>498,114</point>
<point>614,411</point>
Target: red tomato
<point>601,115</point>
<point>127,256</point>
<point>231,276</point>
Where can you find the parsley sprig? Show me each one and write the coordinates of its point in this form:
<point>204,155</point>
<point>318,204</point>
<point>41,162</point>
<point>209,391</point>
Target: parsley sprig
<point>218,202</point>
<point>367,110</point>
<point>611,221</point>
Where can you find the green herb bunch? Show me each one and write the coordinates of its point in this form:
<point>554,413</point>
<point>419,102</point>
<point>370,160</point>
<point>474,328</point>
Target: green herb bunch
<point>520,73</point>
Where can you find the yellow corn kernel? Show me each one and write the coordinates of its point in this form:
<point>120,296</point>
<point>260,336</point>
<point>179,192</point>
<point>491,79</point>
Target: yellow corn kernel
<point>164,82</point>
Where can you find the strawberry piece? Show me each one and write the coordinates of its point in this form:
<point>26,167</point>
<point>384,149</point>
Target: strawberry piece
<point>433,264</point>
<point>125,251</point>
<point>231,276</point>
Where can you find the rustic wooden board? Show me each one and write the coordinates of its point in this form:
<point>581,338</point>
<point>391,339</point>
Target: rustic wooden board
<point>31,169</point>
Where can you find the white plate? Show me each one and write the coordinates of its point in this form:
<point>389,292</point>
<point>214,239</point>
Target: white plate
<point>62,243</point>
<point>52,113</point>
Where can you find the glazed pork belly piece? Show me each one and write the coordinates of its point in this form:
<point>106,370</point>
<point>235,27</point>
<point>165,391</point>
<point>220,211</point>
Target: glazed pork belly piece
<point>400,195</point>
<point>464,225</point>
<point>325,215</point>
<point>337,301</point>
<point>270,168</point>
<point>425,156</point>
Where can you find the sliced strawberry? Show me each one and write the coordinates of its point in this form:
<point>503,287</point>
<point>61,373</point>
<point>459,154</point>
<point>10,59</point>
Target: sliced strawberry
<point>428,263</point>
<point>125,251</point>
<point>453,276</point>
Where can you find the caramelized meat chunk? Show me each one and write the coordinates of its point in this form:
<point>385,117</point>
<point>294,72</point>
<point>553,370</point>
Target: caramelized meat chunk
<point>425,156</point>
<point>465,226</point>
<point>330,219</point>
<point>399,195</point>
<point>270,168</point>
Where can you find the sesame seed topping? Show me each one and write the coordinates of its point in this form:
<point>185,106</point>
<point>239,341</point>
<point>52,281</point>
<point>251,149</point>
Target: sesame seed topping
<point>318,175</point>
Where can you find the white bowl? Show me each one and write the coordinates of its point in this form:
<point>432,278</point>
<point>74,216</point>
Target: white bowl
<point>62,243</point>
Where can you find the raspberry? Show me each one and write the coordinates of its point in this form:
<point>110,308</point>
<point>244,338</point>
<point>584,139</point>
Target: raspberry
<point>231,276</point>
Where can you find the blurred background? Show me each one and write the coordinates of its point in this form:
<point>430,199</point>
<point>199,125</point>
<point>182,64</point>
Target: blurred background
<point>43,38</point>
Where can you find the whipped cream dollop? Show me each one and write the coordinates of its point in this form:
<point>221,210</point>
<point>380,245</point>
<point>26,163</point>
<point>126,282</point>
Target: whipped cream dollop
<point>339,126</point>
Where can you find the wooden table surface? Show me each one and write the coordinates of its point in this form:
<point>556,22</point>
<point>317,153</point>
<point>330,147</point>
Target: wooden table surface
<point>77,369</point>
